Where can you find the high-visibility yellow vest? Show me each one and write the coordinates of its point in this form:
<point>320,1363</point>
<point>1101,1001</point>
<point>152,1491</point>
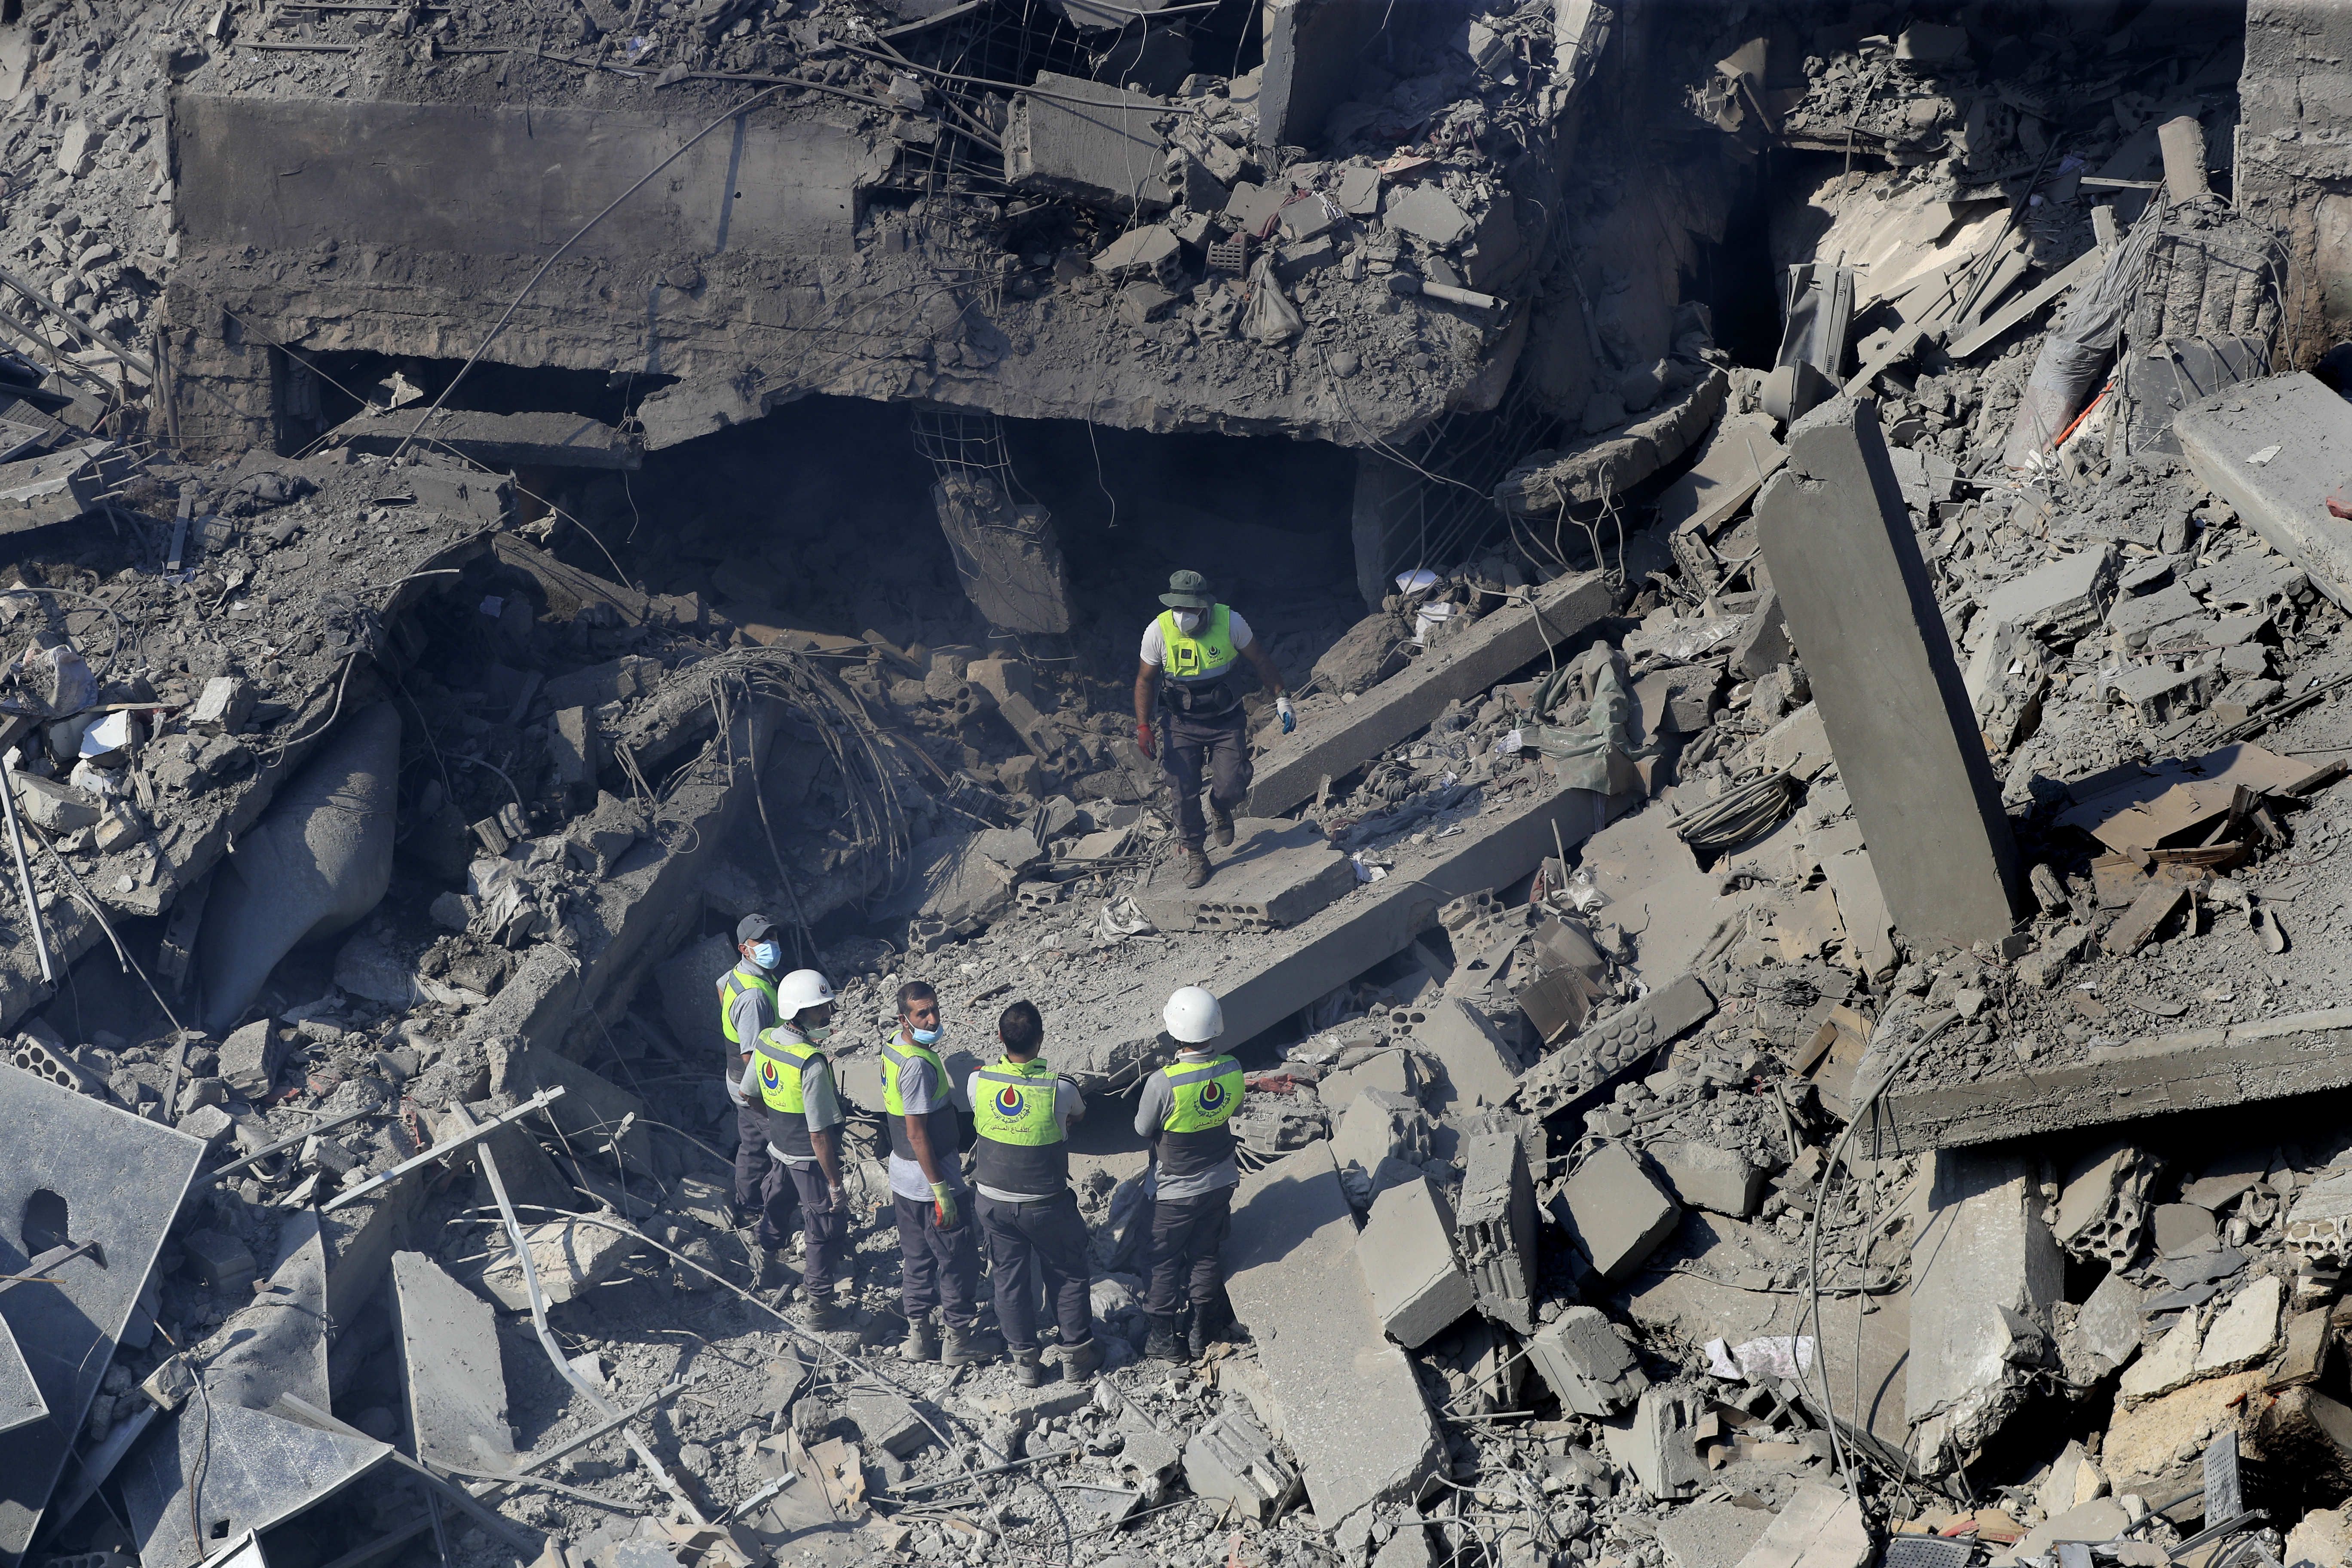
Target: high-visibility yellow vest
<point>783,1058</point>
<point>938,1124</point>
<point>1205,656</point>
<point>732,986</point>
<point>1020,1147</point>
<point>1193,1136</point>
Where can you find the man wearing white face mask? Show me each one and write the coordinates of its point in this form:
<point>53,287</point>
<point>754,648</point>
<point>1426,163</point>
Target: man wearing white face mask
<point>747,1008</point>
<point>939,1243</point>
<point>1189,654</point>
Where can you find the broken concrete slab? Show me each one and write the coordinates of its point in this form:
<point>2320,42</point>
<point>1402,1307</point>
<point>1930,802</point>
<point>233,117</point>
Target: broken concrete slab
<point>255,1469</point>
<point>93,1173</point>
<point>2107,1331</point>
<point>1589,1367</point>
<point>1268,979</point>
<point>1334,739</point>
<point>1616,1212</point>
<point>455,1384</point>
<point>1819,1527</point>
<point>2059,601</point>
<point>570,1257</point>
<point>500,442</point>
<point>2247,1330</point>
<point>278,1344</point>
<point>1739,458</point>
<point>1480,1066</point>
<point>1276,874</point>
<point>2271,1058</point>
<point>1985,1273</point>
<point>1407,1254</point>
<point>1711,1534</point>
<point>1353,1410</point>
<point>2277,451</point>
<point>1861,609</point>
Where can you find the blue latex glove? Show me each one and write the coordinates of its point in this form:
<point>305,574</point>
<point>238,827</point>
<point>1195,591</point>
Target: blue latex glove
<point>1289,714</point>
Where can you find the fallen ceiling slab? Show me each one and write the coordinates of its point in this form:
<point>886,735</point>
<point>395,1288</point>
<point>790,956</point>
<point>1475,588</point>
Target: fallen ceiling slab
<point>21,1403</point>
<point>252,1470</point>
<point>83,1172</point>
<point>493,440</point>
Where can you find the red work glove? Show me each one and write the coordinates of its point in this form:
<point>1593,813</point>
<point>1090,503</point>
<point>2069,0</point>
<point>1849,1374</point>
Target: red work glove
<point>1143,738</point>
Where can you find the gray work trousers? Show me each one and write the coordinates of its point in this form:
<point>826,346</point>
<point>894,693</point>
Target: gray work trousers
<point>1188,748</point>
<point>1026,1241</point>
<point>759,1181</point>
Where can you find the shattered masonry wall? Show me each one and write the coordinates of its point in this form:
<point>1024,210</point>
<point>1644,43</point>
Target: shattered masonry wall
<point>2294,158</point>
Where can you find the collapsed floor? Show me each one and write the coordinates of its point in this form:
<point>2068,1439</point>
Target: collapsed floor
<point>1665,1143</point>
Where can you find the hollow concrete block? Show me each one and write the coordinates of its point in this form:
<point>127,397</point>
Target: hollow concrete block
<point>1616,1212</point>
<point>1407,1253</point>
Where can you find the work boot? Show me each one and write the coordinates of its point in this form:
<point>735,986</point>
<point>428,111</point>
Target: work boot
<point>1202,1334</point>
<point>1082,1360</point>
<point>1025,1370</point>
<point>1196,865</point>
<point>921,1342</point>
<point>827,1315</point>
<point>770,1274</point>
<point>969,1346</point>
<point>1224,824</point>
<point>1163,1343</point>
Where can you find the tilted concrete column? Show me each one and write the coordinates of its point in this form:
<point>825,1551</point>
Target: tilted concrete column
<point>1862,614</point>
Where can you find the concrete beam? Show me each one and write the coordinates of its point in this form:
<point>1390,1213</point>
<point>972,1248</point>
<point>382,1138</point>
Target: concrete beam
<point>2271,1058</point>
<point>1352,1406</point>
<point>1276,874</point>
<point>450,1369</point>
<point>2306,428</point>
<point>1861,609</point>
<point>1109,1042</point>
<point>496,440</point>
<point>1332,739</point>
<point>1984,1274</point>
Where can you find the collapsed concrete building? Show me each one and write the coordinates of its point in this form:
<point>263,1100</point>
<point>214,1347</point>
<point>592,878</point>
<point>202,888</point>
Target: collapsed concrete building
<point>1788,974</point>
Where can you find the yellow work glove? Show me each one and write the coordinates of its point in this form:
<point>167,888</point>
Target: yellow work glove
<point>944,1212</point>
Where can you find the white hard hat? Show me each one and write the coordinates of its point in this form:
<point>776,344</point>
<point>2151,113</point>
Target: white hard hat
<point>1193,1016</point>
<point>800,990</point>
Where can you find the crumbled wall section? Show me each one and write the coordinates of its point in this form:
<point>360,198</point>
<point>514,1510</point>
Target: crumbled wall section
<point>2295,161</point>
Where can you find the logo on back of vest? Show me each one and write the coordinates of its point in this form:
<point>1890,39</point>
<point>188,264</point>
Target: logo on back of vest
<point>1008,1102</point>
<point>1212,1095</point>
<point>768,1075</point>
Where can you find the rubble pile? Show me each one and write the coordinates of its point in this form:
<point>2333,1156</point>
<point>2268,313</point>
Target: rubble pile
<point>1785,971</point>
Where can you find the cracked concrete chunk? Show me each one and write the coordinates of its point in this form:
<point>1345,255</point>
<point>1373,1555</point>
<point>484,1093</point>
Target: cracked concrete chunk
<point>1232,1460</point>
<point>450,1368</point>
<point>1706,1177</point>
<point>1657,1441</point>
<point>1589,1366</point>
<point>1426,212</point>
<point>1275,875</point>
<point>1089,142</point>
<point>2246,1331</point>
<point>1408,1256</point>
<point>1353,1411</point>
<point>1616,1212</point>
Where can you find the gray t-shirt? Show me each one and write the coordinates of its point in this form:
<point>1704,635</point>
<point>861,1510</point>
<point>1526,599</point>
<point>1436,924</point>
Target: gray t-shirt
<point>1151,1111</point>
<point>921,1092</point>
<point>1069,1106</point>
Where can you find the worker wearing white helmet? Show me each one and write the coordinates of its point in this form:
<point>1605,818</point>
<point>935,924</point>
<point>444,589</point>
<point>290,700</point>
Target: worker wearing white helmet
<point>1184,1111</point>
<point>789,1071</point>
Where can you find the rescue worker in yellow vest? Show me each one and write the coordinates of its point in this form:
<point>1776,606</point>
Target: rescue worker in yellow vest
<point>1184,1109</point>
<point>747,1008</point>
<point>1189,654</point>
<point>939,1234</point>
<point>793,1078</point>
<point>1028,1216</point>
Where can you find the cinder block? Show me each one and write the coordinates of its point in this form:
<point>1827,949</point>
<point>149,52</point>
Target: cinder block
<point>888,1422</point>
<point>249,1058</point>
<point>1614,1212</point>
<point>1495,1229</point>
<point>1406,1250</point>
<point>220,1260</point>
<point>1706,1177</point>
<point>1589,1368</point>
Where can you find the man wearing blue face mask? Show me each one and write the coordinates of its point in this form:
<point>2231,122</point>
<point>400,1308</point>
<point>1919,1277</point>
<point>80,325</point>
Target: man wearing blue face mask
<point>1190,651</point>
<point>747,1006</point>
<point>937,1241</point>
